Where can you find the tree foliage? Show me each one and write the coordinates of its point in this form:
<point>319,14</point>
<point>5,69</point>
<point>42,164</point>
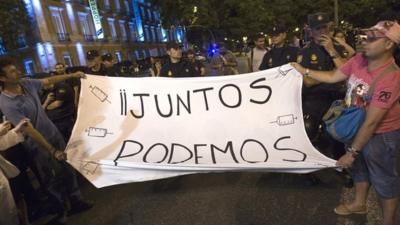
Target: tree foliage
<point>237,18</point>
<point>14,22</point>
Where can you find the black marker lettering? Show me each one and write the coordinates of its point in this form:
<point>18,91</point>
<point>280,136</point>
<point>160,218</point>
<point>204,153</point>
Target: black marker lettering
<point>229,147</point>
<point>204,90</point>
<point>289,149</point>
<point>254,86</point>
<point>239,96</point>
<point>158,106</point>
<point>141,105</point>
<point>255,141</point>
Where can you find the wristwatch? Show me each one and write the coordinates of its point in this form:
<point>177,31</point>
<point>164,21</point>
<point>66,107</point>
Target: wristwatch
<point>354,152</point>
<point>307,73</point>
<point>333,55</point>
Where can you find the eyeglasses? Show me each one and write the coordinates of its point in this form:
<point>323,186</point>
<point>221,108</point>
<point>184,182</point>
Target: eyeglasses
<point>370,39</point>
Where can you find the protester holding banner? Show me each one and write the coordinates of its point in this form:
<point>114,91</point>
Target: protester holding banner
<point>373,154</point>
<point>18,100</point>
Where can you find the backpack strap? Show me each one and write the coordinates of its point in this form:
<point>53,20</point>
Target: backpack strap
<point>393,67</point>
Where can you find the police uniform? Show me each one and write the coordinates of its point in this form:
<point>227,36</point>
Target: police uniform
<point>279,56</point>
<point>315,57</point>
<point>101,72</point>
<point>317,99</point>
<point>91,55</point>
<point>181,69</point>
<point>197,66</point>
<point>64,116</point>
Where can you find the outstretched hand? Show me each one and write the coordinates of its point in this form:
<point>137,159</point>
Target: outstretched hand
<point>5,127</point>
<point>22,125</point>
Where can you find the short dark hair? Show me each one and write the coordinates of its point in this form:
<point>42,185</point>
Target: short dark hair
<point>4,62</point>
<point>258,36</point>
<point>338,31</point>
<point>59,63</point>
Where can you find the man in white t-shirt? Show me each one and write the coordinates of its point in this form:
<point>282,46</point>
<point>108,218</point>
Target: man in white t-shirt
<point>257,53</point>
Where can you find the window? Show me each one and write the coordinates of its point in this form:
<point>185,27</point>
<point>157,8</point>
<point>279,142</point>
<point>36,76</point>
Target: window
<point>132,31</point>
<point>147,33</point>
<point>58,20</point>
<point>21,41</point>
<point>87,26</point>
<point>143,13</point>
<point>67,60</point>
<point>127,6</point>
<point>155,16</point>
<point>107,6</point>
<point>149,15</point>
<point>118,56</point>
<point>137,54</point>
<point>3,50</point>
<point>29,67</point>
<point>159,34</point>
<point>113,31</point>
<point>123,30</point>
<point>117,6</point>
<point>153,32</point>
<point>146,53</point>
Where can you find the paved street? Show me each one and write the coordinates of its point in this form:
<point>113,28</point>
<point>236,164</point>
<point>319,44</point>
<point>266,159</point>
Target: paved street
<point>226,198</point>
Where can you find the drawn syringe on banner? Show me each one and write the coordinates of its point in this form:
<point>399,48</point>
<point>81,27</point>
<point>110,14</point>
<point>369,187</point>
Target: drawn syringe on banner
<point>285,120</point>
<point>97,132</point>
<point>100,94</point>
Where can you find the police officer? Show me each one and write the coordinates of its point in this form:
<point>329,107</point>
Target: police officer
<point>60,107</point>
<point>280,54</point>
<point>95,65</point>
<point>175,66</point>
<point>323,54</point>
<point>111,66</point>
<point>197,64</point>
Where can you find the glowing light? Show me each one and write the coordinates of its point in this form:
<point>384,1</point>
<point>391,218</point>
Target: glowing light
<point>81,53</point>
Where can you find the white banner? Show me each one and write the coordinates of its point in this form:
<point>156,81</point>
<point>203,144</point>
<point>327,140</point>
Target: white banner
<point>138,129</point>
<point>96,19</point>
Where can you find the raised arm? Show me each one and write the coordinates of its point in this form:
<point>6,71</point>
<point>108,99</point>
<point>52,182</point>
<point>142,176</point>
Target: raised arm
<point>60,78</point>
<point>314,77</point>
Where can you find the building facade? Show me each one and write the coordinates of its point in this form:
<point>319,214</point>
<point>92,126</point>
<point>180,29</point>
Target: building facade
<point>64,30</point>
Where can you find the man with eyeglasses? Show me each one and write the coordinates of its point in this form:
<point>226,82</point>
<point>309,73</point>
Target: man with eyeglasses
<point>373,156</point>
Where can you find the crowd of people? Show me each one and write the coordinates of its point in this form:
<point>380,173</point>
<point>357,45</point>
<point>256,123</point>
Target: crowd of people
<point>43,112</point>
